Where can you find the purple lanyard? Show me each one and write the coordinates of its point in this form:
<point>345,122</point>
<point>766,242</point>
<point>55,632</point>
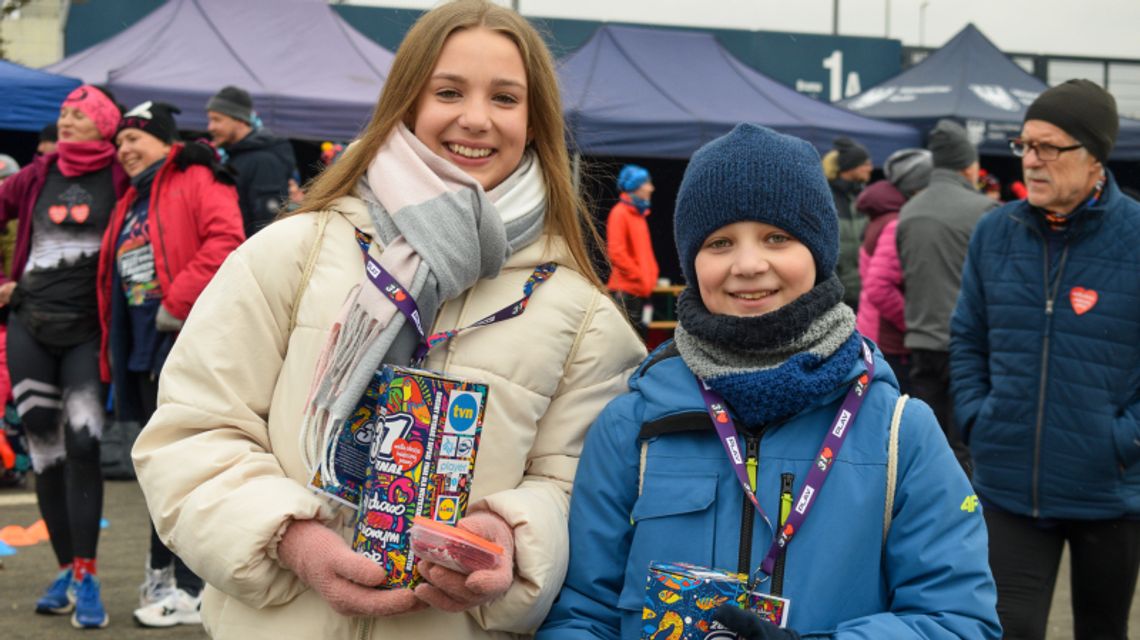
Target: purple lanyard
<point>407,305</point>
<point>832,443</point>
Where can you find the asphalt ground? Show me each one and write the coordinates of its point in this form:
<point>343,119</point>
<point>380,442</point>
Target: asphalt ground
<point>122,552</point>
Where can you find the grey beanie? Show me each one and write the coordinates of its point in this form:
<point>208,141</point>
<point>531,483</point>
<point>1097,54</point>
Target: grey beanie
<point>8,165</point>
<point>909,170</point>
<point>234,102</point>
<point>951,146</point>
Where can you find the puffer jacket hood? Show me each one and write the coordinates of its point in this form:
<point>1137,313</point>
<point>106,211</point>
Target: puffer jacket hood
<point>263,140</point>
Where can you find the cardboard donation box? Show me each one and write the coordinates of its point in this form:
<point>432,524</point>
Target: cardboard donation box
<point>681,598</point>
<point>421,460</point>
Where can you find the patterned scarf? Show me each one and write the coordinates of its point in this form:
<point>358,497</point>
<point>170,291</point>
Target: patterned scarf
<point>439,233</point>
<point>773,366</point>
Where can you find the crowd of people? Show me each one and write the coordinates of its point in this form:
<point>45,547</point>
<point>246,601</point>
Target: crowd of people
<point>965,372</point>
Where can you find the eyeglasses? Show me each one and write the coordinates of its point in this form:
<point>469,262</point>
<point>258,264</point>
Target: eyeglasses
<point>1045,152</point>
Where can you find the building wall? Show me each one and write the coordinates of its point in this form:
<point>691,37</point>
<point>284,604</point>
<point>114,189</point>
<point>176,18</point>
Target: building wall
<point>33,37</point>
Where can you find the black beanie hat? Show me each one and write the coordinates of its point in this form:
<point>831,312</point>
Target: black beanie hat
<point>1083,110</point>
<point>234,102</point>
<point>155,118</point>
<point>851,153</point>
<point>951,147</point>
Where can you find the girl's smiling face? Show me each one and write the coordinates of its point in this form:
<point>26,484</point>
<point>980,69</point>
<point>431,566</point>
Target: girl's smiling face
<point>752,268</point>
<point>473,109</point>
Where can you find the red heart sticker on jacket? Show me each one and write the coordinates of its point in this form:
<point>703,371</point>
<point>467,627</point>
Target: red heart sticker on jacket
<point>57,213</point>
<point>80,212</point>
<point>407,454</point>
<point>1082,299</point>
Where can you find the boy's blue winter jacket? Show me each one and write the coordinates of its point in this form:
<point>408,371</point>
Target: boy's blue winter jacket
<point>929,578</point>
<point>1045,361</point>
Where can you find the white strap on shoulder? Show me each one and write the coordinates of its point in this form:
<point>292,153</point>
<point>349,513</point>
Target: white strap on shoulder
<point>310,264</point>
<point>892,464</point>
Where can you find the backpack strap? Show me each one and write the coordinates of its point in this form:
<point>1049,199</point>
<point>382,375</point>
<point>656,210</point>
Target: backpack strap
<point>892,464</point>
<point>310,265</point>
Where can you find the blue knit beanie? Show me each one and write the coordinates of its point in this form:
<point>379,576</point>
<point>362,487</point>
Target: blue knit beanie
<point>755,174</point>
<point>632,177</point>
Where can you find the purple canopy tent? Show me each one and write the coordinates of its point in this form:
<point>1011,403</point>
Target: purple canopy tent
<point>658,93</point>
<point>311,74</point>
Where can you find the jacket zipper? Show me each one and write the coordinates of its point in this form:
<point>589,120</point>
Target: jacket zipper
<point>748,514</point>
<point>157,224</point>
<point>364,628</point>
<point>787,480</point>
<point>1051,290</point>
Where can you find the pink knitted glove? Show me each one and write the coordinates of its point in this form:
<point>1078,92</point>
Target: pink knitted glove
<point>452,591</point>
<point>345,579</point>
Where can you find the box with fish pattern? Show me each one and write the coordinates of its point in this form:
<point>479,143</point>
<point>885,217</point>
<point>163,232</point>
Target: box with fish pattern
<point>680,600</point>
<point>421,463</point>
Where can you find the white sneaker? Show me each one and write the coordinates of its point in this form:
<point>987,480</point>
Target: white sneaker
<point>178,607</point>
<point>156,586</point>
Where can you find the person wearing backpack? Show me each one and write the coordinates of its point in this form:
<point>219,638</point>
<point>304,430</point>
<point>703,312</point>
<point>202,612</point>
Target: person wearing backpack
<point>767,368</point>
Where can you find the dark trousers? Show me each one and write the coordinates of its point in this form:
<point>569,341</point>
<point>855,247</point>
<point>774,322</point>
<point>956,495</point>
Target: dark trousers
<point>900,364</point>
<point>160,555</point>
<point>1025,555</point>
<point>60,398</point>
<point>633,307</point>
<point>930,382</point>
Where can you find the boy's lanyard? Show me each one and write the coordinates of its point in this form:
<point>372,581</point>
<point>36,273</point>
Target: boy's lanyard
<point>832,443</point>
<point>403,300</point>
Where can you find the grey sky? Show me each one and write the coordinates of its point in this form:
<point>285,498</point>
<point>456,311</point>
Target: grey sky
<point>1100,28</point>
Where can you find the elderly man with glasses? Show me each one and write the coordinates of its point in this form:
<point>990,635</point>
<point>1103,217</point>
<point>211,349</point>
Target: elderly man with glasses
<point>1045,369</point>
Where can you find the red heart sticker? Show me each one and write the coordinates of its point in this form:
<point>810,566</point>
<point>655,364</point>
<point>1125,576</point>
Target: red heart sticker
<point>407,454</point>
<point>57,213</point>
<point>1082,299</point>
<point>80,212</point>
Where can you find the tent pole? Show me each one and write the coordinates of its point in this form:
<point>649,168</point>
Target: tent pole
<point>576,168</point>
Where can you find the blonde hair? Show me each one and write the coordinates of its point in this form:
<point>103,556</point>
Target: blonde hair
<point>566,213</point>
<point>830,164</point>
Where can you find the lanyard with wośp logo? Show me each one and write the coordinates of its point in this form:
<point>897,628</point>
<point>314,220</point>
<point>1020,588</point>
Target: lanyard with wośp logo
<point>403,300</point>
<point>832,443</point>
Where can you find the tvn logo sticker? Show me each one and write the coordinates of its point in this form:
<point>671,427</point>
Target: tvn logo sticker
<point>462,412</point>
<point>841,424</point>
<point>805,500</point>
<point>733,449</point>
<point>373,269</point>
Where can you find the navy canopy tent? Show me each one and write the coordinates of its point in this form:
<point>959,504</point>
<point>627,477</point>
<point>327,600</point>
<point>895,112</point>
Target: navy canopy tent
<point>662,94</point>
<point>31,98</point>
<point>972,81</point>
<point>311,74</point>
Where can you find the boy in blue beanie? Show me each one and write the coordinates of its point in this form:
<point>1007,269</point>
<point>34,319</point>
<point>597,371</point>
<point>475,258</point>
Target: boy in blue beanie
<point>718,454</point>
<point>633,264</point>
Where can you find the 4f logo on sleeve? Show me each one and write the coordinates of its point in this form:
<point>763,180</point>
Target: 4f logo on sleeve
<point>970,504</point>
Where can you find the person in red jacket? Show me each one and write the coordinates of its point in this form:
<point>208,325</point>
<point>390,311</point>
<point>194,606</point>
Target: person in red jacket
<point>166,237</point>
<point>629,247</point>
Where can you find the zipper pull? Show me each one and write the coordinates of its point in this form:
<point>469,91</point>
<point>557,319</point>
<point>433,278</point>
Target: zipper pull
<point>1048,307</point>
<point>752,448</point>
<point>786,481</point>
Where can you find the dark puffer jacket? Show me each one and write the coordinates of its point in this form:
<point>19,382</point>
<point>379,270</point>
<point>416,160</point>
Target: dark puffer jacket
<point>263,164</point>
<point>1045,361</point>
